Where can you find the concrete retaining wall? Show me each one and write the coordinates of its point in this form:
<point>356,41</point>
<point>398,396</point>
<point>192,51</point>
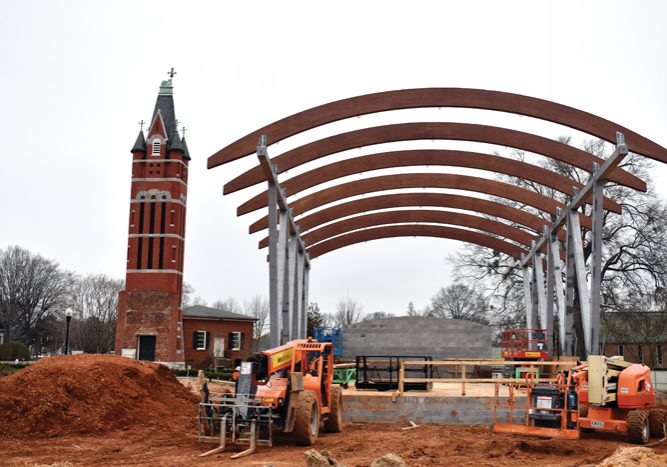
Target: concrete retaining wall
<point>445,410</point>
<point>435,337</point>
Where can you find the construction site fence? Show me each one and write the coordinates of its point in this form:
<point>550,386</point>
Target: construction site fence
<point>461,366</point>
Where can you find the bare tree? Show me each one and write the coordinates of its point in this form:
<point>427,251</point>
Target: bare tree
<point>412,311</point>
<point>94,300</point>
<point>229,304</point>
<point>31,288</point>
<point>258,308</point>
<point>458,301</point>
<point>348,311</point>
<point>377,315</point>
<point>634,260</point>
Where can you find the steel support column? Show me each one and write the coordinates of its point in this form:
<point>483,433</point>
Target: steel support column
<point>577,268</point>
<point>275,285</point>
<point>287,259</point>
<point>557,295</point>
<point>297,323</point>
<point>596,265</point>
<point>528,298</point>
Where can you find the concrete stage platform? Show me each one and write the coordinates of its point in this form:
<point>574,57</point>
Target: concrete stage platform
<point>443,405</point>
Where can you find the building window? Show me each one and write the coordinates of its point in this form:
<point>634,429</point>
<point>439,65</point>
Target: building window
<point>156,147</point>
<point>620,350</point>
<point>132,218</point>
<point>235,340</point>
<point>640,353</point>
<point>200,340</point>
<point>659,350</point>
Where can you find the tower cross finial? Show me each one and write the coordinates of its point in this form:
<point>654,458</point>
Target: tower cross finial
<point>183,130</point>
<point>141,125</point>
<point>171,72</point>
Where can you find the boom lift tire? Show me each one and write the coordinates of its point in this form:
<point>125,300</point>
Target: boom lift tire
<point>306,420</point>
<point>638,426</point>
<point>334,423</point>
<point>657,424</point>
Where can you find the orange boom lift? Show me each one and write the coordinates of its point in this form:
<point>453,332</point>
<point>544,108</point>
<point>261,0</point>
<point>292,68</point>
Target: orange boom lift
<point>603,394</point>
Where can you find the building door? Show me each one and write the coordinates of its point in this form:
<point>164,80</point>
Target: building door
<point>219,347</point>
<point>147,348</point>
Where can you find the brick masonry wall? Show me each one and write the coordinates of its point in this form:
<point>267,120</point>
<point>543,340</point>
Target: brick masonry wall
<point>436,337</point>
<point>216,328</point>
<point>649,356</point>
<point>149,312</point>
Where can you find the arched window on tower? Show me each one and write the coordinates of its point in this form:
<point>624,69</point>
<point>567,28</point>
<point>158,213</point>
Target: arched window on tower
<point>156,147</point>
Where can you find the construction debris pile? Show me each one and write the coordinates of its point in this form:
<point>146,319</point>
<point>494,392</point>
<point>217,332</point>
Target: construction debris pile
<point>629,456</point>
<point>81,394</point>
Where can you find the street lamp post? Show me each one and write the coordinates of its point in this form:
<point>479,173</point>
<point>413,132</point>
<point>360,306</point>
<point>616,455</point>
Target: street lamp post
<point>68,318</point>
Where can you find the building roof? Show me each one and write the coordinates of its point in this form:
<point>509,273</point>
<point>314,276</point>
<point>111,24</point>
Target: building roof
<point>140,143</point>
<point>199,311</point>
<point>165,104</point>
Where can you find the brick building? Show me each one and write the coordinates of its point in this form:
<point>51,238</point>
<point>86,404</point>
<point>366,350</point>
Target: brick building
<point>150,321</point>
<point>637,337</point>
<point>216,338</point>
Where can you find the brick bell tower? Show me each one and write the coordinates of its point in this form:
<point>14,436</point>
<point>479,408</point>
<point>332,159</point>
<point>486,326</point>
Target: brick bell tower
<point>150,319</point>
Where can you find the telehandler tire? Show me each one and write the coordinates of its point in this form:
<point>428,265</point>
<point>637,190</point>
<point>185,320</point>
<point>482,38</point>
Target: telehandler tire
<point>334,423</point>
<point>657,424</point>
<point>638,431</point>
<point>306,420</point>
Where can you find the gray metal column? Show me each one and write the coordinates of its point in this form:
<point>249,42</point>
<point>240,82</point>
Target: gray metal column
<point>538,280</point>
<point>549,312</point>
<point>298,331</point>
<point>564,327</point>
<point>275,285</point>
<point>282,272</point>
<point>576,257</point>
<point>306,304</point>
<point>289,325</point>
<point>596,264</point>
<point>528,298</point>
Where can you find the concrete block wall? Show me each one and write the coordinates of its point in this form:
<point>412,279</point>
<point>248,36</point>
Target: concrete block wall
<point>406,335</point>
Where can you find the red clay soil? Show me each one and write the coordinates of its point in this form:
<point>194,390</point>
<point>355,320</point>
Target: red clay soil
<point>357,446</point>
<point>100,410</point>
<point>86,394</point>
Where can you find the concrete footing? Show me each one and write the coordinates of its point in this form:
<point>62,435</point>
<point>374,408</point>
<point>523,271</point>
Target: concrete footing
<point>423,408</point>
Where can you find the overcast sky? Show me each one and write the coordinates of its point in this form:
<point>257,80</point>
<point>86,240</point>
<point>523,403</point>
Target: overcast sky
<point>77,76</point>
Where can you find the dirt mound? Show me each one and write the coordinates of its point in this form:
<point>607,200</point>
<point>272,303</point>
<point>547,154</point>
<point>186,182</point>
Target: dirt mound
<point>634,457</point>
<point>79,394</point>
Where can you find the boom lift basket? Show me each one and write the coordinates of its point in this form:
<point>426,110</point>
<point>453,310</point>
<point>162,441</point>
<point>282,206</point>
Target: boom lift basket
<point>549,411</point>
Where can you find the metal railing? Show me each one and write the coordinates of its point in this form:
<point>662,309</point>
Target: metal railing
<point>462,366</point>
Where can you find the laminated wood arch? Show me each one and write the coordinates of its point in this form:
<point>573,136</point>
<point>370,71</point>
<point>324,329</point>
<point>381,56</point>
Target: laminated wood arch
<point>414,230</point>
<point>402,200</point>
<point>417,157</point>
<point>411,217</point>
<point>430,131</point>
<point>438,97</point>
<point>421,180</point>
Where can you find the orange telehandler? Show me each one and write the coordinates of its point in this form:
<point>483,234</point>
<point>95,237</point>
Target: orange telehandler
<point>603,394</point>
<point>287,389</point>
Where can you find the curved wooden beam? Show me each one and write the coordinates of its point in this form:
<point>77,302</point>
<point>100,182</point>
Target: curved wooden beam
<point>421,180</point>
<point>432,130</point>
<point>440,157</point>
<point>398,200</point>
<point>438,97</point>
<point>417,230</point>
<point>415,216</point>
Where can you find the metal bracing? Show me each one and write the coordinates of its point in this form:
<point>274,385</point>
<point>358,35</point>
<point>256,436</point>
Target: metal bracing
<point>576,275</point>
<point>288,262</point>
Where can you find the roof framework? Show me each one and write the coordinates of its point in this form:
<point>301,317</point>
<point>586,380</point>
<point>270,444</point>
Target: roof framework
<point>334,217</point>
